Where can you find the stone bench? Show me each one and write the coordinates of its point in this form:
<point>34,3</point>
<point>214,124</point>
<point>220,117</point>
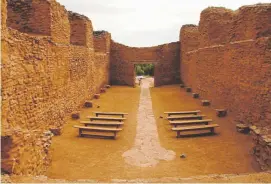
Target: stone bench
<point>97,96</point>
<point>91,118</point>
<point>76,115</point>
<point>188,89</point>
<point>182,112</point>
<point>242,128</point>
<point>195,95</point>
<point>205,121</point>
<point>193,128</point>
<point>205,102</point>
<point>110,113</point>
<point>88,104</point>
<point>221,112</point>
<point>186,117</point>
<point>117,124</point>
<point>97,129</point>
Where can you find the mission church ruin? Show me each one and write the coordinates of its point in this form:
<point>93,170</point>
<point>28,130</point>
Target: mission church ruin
<point>53,61</point>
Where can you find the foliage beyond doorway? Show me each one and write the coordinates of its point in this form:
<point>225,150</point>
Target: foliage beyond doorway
<point>144,69</point>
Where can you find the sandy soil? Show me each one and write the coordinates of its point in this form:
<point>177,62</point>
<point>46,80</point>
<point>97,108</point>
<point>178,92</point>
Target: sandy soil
<point>261,177</point>
<point>101,159</point>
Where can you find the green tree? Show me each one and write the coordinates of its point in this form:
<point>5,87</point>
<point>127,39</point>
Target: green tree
<point>145,69</point>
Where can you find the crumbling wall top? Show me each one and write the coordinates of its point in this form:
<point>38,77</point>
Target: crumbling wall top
<point>73,15</point>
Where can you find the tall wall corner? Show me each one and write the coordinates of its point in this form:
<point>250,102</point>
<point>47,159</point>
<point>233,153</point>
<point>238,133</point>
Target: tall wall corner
<point>80,30</point>
<point>189,37</point>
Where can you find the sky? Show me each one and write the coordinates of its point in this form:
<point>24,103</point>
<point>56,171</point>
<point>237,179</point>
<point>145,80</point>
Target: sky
<point>143,23</point>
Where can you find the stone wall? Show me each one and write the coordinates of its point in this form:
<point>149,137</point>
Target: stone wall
<point>52,61</point>
<point>164,57</point>
<point>44,79</point>
<point>29,16</point>
<point>80,30</point>
<point>227,60</point>
<point>102,40</point>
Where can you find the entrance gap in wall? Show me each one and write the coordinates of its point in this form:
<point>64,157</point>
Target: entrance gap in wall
<point>144,71</point>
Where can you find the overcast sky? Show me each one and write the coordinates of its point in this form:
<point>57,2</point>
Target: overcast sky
<point>146,22</point>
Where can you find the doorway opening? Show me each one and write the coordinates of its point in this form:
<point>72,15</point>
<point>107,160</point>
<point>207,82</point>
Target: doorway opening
<point>144,72</point>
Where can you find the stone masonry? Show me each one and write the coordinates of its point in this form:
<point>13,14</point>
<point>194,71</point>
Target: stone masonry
<point>52,62</point>
<point>227,59</point>
<point>49,69</point>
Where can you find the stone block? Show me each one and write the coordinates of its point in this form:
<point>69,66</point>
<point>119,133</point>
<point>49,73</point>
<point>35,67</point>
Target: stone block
<point>76,115</point>
<point>182,85</point>
<point>188,89</point>
<point>107,86</point>
<point>88,104</point>
<point>195,95</point>
<point>205,102</point>
<point>242,128</point>
<point>221,112</point>
<point>97,96</point>
<point>56,130</point>
<point>103,90</point>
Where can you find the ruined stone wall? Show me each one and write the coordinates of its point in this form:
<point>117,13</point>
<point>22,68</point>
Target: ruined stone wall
<point>228,61</point>
<point>102,40</point>
<point>80,30</point>
<point>43,81</point>
<point>30,16</point>
<point>165,58</point>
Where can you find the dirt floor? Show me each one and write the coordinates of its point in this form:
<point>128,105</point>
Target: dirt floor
<point>101,160</point>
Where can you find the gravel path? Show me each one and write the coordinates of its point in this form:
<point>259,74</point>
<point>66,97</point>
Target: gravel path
<point>146,151</point>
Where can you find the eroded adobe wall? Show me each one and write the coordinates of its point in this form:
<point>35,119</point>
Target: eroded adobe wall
<point>228,61</point>
<point>165,58</point>
<point>44,79</point>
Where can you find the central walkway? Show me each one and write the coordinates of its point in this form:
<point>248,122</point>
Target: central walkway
<point>147,150</point>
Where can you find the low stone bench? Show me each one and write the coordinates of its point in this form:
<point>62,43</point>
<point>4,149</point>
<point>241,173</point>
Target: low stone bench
<point>97,96</point>
<point>242,128</point>
<point>205,121</point>
<point>88,104</point>
<point>193,128</point>
<point>188,89</point>
<point>182,112</point>
<point>56,130</point>
<point>97,129</point>
<point>117,124</point>
<point>205,102</point>
<point>195,95</point>
<point>110,113</point>
<point>221,112</point>
<point>186,117</point>
<point>76,115</point>
<point>91,118</point>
